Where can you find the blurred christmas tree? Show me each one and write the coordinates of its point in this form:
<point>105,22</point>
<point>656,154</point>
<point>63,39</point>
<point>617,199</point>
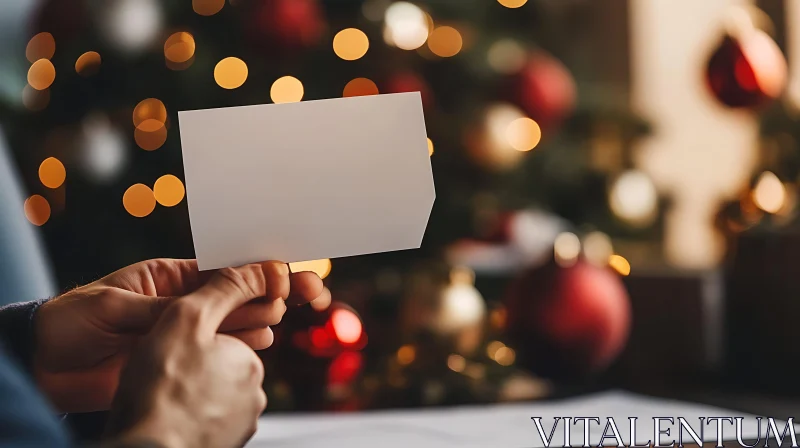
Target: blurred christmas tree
<point>532,162</point>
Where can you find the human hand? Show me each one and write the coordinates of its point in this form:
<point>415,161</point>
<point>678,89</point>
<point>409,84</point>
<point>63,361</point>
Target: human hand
<point>84,337</point>
<point>186,385</point>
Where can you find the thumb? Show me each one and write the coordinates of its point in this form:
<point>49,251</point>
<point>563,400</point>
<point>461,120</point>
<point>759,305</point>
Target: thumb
<point>133,312</point>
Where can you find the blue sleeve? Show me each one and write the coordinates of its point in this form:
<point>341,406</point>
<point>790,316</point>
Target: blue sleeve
<point>26,420</point>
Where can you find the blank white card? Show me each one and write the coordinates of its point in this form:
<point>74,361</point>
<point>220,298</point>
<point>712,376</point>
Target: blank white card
<point>308,180</point>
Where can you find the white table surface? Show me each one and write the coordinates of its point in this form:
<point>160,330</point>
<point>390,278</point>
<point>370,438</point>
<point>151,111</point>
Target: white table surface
<point>490,426</point>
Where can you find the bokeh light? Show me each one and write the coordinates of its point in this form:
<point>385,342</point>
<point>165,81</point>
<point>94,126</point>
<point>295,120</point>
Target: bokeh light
<point>179,47</point>
<point>35,100</point>
<point>430,147</point>
<point>505,356</point>
<point>286,89</point>
<point>150,134</point>
<point>456,363</point>
<point>512,3</point>
<point>132,25</point>
<point>360,87</point>
<point>37,210</point>
<point>168,190</point>
<point>149,109</point>
<point>350,44</point>
<point>230,73</point>
<point>41,74</point>
<point>320,267</point>
<point>52,173</point>
<point>406,355</point>
<point>407,26</point>
<point>597,247</point>
<point>346,326</point>
<point>634,199</point>
<point>88,63</point>
<point>41,46</point>
<point>506,56</point>
<point>207,7</point>
<point>619,264</point>
<point>567,248</point>
<point>492,348</point>
<point>523,134</point>
<point>769,193</point>
<point>445,41</point>
<point>103,149</point>
<point>139,200</point>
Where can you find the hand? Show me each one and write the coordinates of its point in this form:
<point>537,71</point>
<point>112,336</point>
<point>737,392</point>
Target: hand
<point>188,386</point>
<point>84,337</point>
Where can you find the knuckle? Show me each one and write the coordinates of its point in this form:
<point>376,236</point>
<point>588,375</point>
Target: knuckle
<point>245,280</point>
<point>186,310</point>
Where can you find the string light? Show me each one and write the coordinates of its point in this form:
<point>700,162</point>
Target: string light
<point>597,248</point>
<point>407,26</point>
<point>37,210</point>
<point>506,56</point>
<point>103,152</point>
<point>168,190</point>
<point>523,134</point>
<point>35,100</point>
<point>567,248</point>
<point>350,44</point>
<point>456,363</point>
<point>88,63</point>
<point>406,355</point>
<point>52,173</point>
<point>505,356</point>
<point>149,109</point>
<point>207,7</point>
<point>346,326</point>
<point>633,198</point>
<point>179,47</point>
<point>150,134</point>
<point>41,46</point>
<point>619,264</point>
<point>132,25</point>
<point>230,73</point>
<point>430,147</point>
<point>445,41</point>
<point>287,89</point>
<point>492,348</point>
<point>41,74</point>
<point>360,87</point>
<point>320,267</point>
<point>769,193</point>
<point>139,200</point>
<point>512,3</point>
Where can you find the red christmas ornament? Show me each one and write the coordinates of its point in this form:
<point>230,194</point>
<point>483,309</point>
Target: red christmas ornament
<point>747,71</point>
<point>545,89</point>
<point>287,23</point>
<point>569,321</point>
<point>410,82</point>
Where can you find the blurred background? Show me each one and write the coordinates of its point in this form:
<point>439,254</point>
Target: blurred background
<point>616,185</point>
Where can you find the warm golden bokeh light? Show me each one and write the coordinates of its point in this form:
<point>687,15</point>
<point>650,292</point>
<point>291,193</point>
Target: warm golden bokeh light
<point>37,210</point>
<point>456,363</point>
<point>287,89</point>
<point>52,172</point>
<point>149,109</point>
<point>597,247</point>
<point>430,147</point>
<point>506,56</point>
<point>505,356</point>
<point>445,41</point>
<point>179,47</point>
<point>360,87</point>
<point>319,267</point>
<point>168,190</point>
<point>407,26</point>
<point>634,199</point>
<point>139,200</point>
<point>88,63</point>
<point>41,46</point>
<point>35,100</point>
<point>406,355</point>
<point>567,248</point>
<point>41,74</point>
<point>492,348</point>
<point>230,73</point>
<point>619,264</point>
<point>207,7</point>
<point>150,134</point>
<point>523,134</point>
<point>512,3</point>
<point>769,193</point>
<point>350,44</point>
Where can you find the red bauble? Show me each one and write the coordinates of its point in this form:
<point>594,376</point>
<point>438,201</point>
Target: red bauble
<point>545,89</point>
<point>747,71</point>
<point>287,23</point>
<point>410,82</point>
<point>568,321</point>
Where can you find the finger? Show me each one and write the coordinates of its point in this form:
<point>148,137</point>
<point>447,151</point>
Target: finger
<point>259,313</point>
<point>159,277</point>
<point>277,278</point>
<point>256,339</point>
<point>306,286</point>
<point>133,312</point>
<point>226,290</point>
<point>322,302</point>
